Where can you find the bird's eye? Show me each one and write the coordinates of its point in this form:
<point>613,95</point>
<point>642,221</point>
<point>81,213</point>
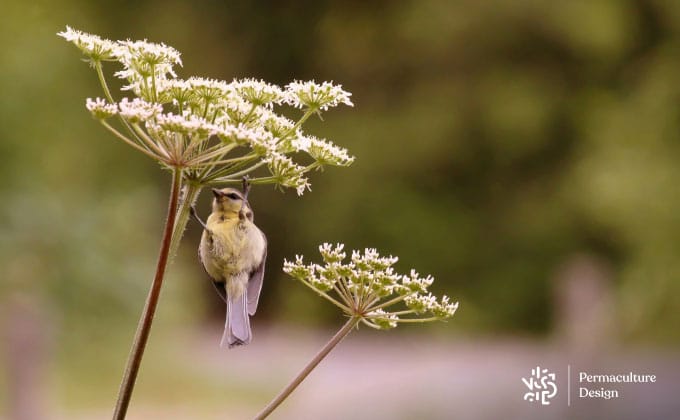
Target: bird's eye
<point>233,196</point>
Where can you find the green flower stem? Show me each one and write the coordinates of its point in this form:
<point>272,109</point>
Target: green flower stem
<point>195,142</point>
<point>224,171</point>
<point>250,113</point>
<point>392,301</point>
<point>239,174</point>
<point>330,299</point>
<point>145,89</point>
<point>128,141</point>
<point>102,81</point>
<point>144,326</point>
<point>216,154</point>
<point>370,324</point>
<point>397,313</point>
<point>337,338</point>
<point>153,83</point>
<point>298,124</point>
<point>342,285</point>
<point>107,93</point>
<point>365,295</point>
<point>342,293</point>
<point>419,320</point>
<point>148,141</point>
<point>251,181</point>
<point>311,166</point>
<point>223,161</point>
<point>189,196</point>
<point>205,109</point>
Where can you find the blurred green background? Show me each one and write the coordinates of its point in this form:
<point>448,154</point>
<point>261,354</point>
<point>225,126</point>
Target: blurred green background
<point>498,143</point>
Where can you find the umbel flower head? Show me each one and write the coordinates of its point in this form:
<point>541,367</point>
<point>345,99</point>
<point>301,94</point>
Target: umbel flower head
<point>216,132</point>
<point>367,287</point>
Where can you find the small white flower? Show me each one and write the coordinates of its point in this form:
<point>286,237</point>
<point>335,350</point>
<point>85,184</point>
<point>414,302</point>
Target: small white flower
<point>445,309</point>
<point>301,143</point>
<point>383,320</point>
<point>371,260</point>
<point>332,254</point>
<point>238,110</point>
<point>147,59</point>
<point>366,286</point>
<point>287,173</point>
<point>421,303</point>
<point>239,134</point>
<point>210,90</point>
<point>322,283</point>
<point>177,91</point>
<point>185,124</point>
<point>316,96</point>
<point>258,92</point>
<point>93,46</point>
<point>415,283</point>
<point>298,269</point>
<point>323,151</point>
<point>138,110</point>
<point>280,126</point>
<point>262,142</point>
<point>100,108</point>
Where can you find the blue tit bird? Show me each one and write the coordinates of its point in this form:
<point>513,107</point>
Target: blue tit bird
<point>233,252</point>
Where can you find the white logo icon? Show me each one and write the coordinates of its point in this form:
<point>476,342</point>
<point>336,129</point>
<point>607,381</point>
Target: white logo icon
<point>541,386</point>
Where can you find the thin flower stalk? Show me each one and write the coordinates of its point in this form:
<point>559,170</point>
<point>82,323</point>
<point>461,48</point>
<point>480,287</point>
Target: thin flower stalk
<point>363,288</point>
<point>144,326</point>
<point>334,341</point>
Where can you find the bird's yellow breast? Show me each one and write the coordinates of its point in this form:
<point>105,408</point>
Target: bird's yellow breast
<point>233,246</point>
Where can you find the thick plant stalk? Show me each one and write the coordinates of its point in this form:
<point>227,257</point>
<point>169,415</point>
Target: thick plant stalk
<point>144,326</point>
<point>190,193</point>
<point>337,338</point>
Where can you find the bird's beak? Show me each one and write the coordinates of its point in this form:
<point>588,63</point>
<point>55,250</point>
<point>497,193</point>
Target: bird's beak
<point>217,193</point>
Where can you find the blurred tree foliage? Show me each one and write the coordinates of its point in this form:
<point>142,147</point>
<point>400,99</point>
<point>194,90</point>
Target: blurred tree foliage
<point>494,140</point>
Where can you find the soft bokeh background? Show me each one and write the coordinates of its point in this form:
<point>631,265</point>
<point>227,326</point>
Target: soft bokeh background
<point>525,153</point>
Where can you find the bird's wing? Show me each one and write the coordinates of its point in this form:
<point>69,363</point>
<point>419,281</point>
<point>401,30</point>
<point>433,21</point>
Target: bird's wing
<point>255,282</point>
<point>220,286</point>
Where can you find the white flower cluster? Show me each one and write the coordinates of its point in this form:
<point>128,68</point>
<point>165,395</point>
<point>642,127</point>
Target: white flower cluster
<point>100,108</point>
<point>138,110</point>
<point>367,285</point>
<point>263,144</point>
<point>199,121</point>
<point>332,254</point>
<point>286,172</point>
<point>240,134</point>
<point>208,92</point>
<point>187,124</point>
<point>383,320</point>
<point>316,96</point>
<point>258,92</point>
<point>280,126</point>
<point>324,152</point>
<point>176,91</point>
<point>413,282</point>
<point>93,46</point>
<point>143,59</point>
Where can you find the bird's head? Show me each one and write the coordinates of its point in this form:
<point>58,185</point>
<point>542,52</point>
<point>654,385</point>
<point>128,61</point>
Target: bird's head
<point>231,202</point>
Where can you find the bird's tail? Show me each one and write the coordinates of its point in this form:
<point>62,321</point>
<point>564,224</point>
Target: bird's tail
<point>237,329</point>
